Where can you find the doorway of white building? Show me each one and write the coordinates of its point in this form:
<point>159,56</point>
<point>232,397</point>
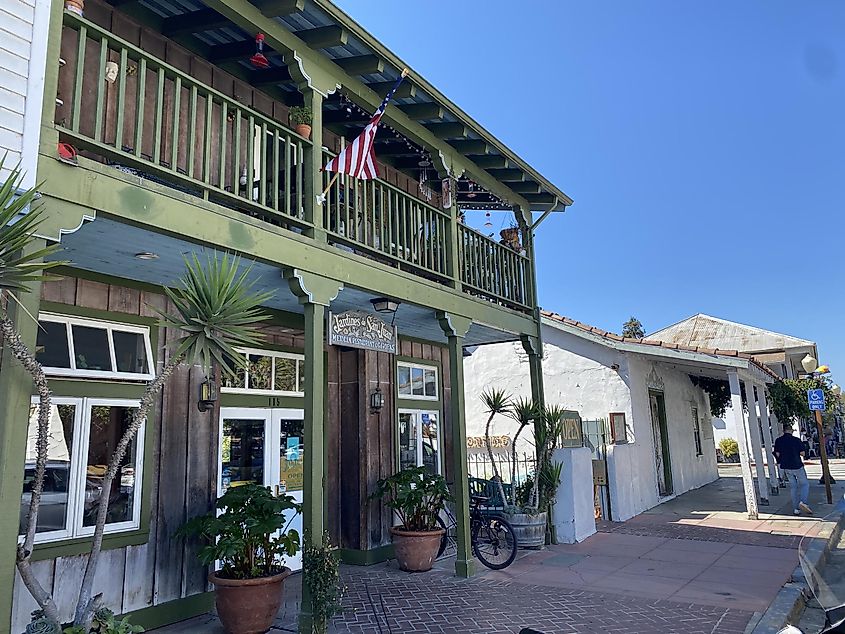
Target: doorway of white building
<point>660,429</point>
<point>264,446</point>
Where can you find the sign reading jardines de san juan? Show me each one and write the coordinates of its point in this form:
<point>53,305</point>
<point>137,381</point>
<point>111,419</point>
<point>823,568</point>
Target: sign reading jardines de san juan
<point>358,329</point>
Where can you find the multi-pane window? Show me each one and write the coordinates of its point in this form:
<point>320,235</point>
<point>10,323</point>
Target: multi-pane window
<point>82,436</point>
<point>696,431</point>
<point>417,381</point>
<point>268,372</point>
<point>419,440</point>
<point>89,348</point>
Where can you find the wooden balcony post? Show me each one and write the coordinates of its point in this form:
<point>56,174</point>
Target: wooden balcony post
<point>453,251</point>
<point>313,164</point>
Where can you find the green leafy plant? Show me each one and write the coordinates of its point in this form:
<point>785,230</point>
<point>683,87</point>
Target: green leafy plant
<point>718,391</point>
<point>321,565</point>
<point>301,115</point>
<point>248,535</point>
<point>789,397</point>
<point>729,447</point>
<point>104,622</point>
<point>416,495</point>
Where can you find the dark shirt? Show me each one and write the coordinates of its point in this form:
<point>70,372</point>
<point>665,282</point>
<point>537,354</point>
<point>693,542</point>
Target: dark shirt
<point>788,450</point>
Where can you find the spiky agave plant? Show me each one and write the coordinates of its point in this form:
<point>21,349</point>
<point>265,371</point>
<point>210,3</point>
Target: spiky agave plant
<point>21,264</point>
<point>496,402</point>
<point>216,310</point>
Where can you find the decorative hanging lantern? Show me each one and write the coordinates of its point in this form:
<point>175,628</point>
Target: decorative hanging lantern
<point>488,223</point>
<point>471,193</point>
<point>258,60</point>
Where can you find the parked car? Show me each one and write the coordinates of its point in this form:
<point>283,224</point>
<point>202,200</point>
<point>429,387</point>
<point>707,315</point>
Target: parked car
<point>54,498</point>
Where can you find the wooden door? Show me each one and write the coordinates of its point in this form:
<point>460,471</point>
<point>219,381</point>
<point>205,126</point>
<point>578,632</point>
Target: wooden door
<point>660,433</point>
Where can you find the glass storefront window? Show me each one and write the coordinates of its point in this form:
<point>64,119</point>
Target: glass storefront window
<point>243,452</point>
<point>291,456</point>
<point>403,373</point>
<point>419,440</point>
<point>268,372</point>
<point>260,372</point>
<point>407,440</point>
<point>285,375</point>
<point>129,352</point>
<point>91,348</point>
<point>416,381</point>
<point>51,348</point>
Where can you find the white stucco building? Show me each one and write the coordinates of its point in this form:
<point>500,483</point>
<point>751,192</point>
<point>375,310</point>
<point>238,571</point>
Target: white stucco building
<point>23,50</point>
<point>661,441</point>
<point>780,353</point>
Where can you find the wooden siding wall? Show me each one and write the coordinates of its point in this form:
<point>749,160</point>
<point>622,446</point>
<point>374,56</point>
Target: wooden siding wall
<point>181,58</point>
<point>184,483</point>
<point>361,445</point>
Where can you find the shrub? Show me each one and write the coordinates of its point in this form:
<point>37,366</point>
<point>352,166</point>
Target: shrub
<point>729,447</point>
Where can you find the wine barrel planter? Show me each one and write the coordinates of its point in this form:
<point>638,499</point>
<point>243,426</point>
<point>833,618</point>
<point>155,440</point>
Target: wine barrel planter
<point>530,530</point>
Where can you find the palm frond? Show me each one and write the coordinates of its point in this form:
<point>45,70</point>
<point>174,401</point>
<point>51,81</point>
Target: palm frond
<point>20,216</point>
<point>523,410</point>
<point>495,401</point>
<point>216,311</point>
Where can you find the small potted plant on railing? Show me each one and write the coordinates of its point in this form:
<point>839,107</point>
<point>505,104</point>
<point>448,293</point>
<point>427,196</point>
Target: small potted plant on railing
<point>510,237</point>
<point>248,535</point>
<point>301,118</point>
<point>417,497</point>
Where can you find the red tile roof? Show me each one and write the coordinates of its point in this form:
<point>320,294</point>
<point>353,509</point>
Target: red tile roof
<point>653,342</point>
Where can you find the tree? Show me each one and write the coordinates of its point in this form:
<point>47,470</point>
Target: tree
<point>495,402</point>
<point>633,328</point>
<point>215,311</point>
<point>789,397</point>
<point>21,264</point>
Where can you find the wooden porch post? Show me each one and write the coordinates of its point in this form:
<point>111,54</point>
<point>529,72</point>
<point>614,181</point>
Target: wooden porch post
<point>315,293</point>
<point>768,441</point>
<point>455,327</point>
<point>744,460</point>
<point>534,347</point>
<point>15,394</point>
<point>756,443</point>
<point>313,164</point>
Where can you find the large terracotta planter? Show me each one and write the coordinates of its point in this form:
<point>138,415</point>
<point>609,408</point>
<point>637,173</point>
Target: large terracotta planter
<point>416,550</point>
<point>248,606</point>
<point>530,530</point>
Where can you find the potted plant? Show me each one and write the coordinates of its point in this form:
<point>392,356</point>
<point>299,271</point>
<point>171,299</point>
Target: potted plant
<point>417,497</point>
<point>248,535</point>
<point>321,565</point>
<point>301,118</point>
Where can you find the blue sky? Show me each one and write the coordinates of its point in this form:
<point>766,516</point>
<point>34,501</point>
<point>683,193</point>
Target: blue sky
<point>703,143</point>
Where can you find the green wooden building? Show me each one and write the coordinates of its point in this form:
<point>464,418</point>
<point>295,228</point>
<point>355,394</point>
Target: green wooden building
<point>160,138</point>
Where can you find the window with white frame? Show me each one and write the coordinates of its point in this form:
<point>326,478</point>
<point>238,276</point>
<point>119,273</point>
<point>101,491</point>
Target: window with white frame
<point>83,434</point>
<point>419,440</point>
<point>91,348</point>
<point>268,372</point>
<point>417,381</point>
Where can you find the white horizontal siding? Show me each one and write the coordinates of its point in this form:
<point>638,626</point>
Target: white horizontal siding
<point>23,45</point>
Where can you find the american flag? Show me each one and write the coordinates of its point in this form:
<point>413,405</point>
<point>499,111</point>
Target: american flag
<point>359,159</point>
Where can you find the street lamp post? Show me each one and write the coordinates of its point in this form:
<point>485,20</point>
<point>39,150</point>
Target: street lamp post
<point>809,363</point>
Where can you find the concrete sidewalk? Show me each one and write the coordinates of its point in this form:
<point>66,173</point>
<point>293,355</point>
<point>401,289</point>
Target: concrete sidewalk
<point>694,564</point>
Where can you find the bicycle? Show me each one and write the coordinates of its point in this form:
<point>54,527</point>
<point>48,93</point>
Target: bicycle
<point>493,539</point>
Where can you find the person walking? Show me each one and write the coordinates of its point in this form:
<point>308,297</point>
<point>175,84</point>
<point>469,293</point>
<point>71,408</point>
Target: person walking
<point>788,451</point>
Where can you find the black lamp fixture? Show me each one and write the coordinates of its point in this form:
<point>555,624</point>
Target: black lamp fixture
<point>208,395</point>
<point>384,305</point>
<point>376,401</point>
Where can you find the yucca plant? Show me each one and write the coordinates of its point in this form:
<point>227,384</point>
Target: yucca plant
<point>21,264</point>
<point>523,411</point>
<point>496,403</point>
<point>216,311</point>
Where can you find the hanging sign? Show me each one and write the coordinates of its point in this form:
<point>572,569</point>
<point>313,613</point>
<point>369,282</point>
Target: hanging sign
<point>359,329</point>
<point>572,435</point>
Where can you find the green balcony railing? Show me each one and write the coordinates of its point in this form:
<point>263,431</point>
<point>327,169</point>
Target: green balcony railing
<point>120,103</point>
<point>381,220</point>
<point>493,270</point>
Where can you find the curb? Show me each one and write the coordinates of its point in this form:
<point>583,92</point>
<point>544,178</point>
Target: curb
<point>790,600</point>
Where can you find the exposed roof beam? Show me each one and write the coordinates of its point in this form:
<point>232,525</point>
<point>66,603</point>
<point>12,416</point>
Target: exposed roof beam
<point>528,187</point>
<point>508,174</point>
<point>392,148</point>
<point>270,76</point>
<point>422,110</point>
<point>324,36</point>
<point>233,51</point>
<point>489,161</point>
<point>193,22</point>
<point>275,8</point>
<point>447,130</point>
<point>406,89</point>
<point>541,199</point>
<point>406,162</point>
<point>361,64</point>
<point>343,117</point>
<point>470,146</point>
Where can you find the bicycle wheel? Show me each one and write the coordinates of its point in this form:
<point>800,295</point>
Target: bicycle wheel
<point>448,545</point>
<point>494,543</point>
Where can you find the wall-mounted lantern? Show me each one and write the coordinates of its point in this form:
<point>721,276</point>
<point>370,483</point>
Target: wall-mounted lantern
<point>384,305</point>
<point>376,401</point>
<point>208,395</point>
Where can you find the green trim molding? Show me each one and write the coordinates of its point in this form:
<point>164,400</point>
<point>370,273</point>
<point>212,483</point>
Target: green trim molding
<point>355,557</point>
<point>112,541</point>
<point>172,611</point>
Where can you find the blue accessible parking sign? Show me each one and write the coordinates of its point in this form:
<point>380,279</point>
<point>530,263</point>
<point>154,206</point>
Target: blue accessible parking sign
<point>815,398</point>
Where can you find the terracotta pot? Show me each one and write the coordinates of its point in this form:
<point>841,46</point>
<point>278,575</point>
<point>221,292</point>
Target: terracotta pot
<point>510,237</point>
<point>75,6</point>
<point>248,606</point>
<point>416,550</point>
<point>530,530</point>
<point>303,129</point>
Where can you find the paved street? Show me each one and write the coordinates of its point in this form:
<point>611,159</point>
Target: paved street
<point>693,564</point>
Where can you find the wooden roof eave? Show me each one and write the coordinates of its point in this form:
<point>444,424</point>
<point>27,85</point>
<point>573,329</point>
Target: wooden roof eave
<point>353,27</point>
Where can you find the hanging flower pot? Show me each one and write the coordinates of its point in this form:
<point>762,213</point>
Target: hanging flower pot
<point>510,237</point>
